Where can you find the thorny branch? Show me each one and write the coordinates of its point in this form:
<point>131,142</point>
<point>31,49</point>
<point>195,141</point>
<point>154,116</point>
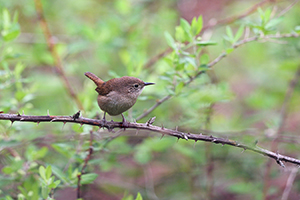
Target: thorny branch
<point>110,125</point>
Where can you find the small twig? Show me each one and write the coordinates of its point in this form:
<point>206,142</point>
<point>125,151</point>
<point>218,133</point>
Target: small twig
<point>52,49</point>
<point>86,160</point>
<point>283,116</point>
<point>289,183</point>
<point>174,133</point>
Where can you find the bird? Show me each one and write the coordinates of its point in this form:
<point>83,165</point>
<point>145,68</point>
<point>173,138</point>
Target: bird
<point>117,95</point>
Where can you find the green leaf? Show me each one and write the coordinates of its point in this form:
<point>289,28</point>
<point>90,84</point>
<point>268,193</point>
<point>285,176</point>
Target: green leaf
<point>229,50</point>
<point>205,43</point>
<point>48,172</point>
<point>139,196</point>
<point>229,34</point>
<point>187,29</point>
<point>179,34</point>
<point>179,87</point>
<point>170,40</point>
<point>42,172</point>
<point>6,19</point>
<point>185,25</point>
<point>273,22</point>
<point>239,33</point>
<point>88,178</point>
<point>196,25</point>
<point>204,59</point>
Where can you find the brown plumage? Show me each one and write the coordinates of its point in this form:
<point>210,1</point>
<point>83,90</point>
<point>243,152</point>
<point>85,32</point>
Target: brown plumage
<point>117,95</point>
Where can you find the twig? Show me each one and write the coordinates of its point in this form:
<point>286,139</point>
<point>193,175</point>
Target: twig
<point>289,183</point>
<point>174,133</point>
<point>215,61</point>
<point>86,160</point>
<point>51,45</point>
<point>283,115</point>
<point>228,20</point>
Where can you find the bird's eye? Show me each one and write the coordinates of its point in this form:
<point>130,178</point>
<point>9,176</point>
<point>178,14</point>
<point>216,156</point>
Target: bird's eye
<point>136,85</point>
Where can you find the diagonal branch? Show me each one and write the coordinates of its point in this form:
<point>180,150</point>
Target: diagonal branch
<point>215,61</point>
<point>148,126</point>
<point>51,45</point>
<point>228,20</point>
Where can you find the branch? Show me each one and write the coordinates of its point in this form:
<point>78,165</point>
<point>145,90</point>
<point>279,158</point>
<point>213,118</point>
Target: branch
<point>228,20</point>
<point>215,61</point>
<point>86,160</point>
<point>110,125</point>
<point>51,45</point>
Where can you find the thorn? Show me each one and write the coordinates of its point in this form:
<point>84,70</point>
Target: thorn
<point>48,113</point>
<point>64,123</point>
<point>150,121</point>
<point>176,128</point>
<point>18,114</point>
<point>162,127</point>
<point>162,136</point>
<point>137,131</point>
<point>178,139</point>
<point>23,112</point>
<point>12,121</point>
<point>185,137</point>
<point>81,124</point>
<point>195,143</point>
<point>37,123</point>
<point>76,115</point>
<point>279,162</point>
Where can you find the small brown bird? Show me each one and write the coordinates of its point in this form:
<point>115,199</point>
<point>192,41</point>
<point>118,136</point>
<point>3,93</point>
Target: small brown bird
<point>118,94</point>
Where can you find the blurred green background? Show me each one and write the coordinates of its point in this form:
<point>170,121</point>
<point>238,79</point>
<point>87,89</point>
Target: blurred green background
<point>240,98</point>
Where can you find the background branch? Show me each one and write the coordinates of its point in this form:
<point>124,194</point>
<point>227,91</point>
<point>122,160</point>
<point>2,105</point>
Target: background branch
<point>56,58</point>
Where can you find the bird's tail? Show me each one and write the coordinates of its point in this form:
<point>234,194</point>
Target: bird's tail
<point>94,78</point>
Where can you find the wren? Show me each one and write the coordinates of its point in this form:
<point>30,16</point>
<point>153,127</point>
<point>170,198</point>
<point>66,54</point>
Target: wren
<point>117,95</point>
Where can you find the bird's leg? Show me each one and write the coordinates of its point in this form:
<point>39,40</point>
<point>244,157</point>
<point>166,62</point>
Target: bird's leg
<point>104,120</point>
<point>124,122</point>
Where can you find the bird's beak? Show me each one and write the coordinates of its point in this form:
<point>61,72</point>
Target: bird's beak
<point>145,84</point>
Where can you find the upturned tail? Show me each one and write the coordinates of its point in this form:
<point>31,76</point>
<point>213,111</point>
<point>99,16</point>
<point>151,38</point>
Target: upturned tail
<point>94,78</point>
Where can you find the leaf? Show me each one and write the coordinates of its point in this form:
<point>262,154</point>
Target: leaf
<point>179,34</point>
<point>204,59</point>
<point>273,22</point>
<point>239,33</point>
<point>42,172</point>
<point>139,196</point>
<point>170,40</point>
<point>196,25</point>
<point>229,50</point>
<point>229,34</point>
<point>6,19</point>
<point>205,43</point>
<point>179,88</point>
<point>187,29</point>
<point>48,172</point>
<point>185,25</point>
<point>88,178</point>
